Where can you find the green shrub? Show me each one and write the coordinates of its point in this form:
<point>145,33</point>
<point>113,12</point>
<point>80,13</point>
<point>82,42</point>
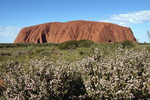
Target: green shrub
<point>127,44</point>
<point>124,44</point>
<point>85,43</point>
<point>68,45</point>
<point>74,44</point>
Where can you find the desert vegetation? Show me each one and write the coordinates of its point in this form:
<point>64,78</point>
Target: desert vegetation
<point>75,44</point>
<point>85,71</point>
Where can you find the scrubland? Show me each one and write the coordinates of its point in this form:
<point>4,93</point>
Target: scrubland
<point>75,71</point>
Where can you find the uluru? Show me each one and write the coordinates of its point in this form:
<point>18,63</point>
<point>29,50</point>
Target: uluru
<point>58,32</point>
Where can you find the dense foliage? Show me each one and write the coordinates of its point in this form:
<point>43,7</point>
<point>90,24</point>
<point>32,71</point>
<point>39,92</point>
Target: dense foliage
<point>125,44</point>
<point>85,43</point>
<point>74,44</point>
<point>68,45</point>
<point>122,74</point>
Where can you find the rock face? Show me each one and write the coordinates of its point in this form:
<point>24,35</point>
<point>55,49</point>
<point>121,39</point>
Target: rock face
<point>57,32</point>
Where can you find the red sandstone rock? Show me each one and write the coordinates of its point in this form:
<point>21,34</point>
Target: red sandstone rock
<point>57,32</point>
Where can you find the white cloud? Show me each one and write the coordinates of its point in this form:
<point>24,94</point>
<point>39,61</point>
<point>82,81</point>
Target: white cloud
<point>9,33</point>
<point>130,18</point>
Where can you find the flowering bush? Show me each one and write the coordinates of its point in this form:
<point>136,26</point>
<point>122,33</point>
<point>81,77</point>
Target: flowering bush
<point>124,74</point>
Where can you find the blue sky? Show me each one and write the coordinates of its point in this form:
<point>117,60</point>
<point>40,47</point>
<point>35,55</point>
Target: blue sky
<point>16,14</point>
